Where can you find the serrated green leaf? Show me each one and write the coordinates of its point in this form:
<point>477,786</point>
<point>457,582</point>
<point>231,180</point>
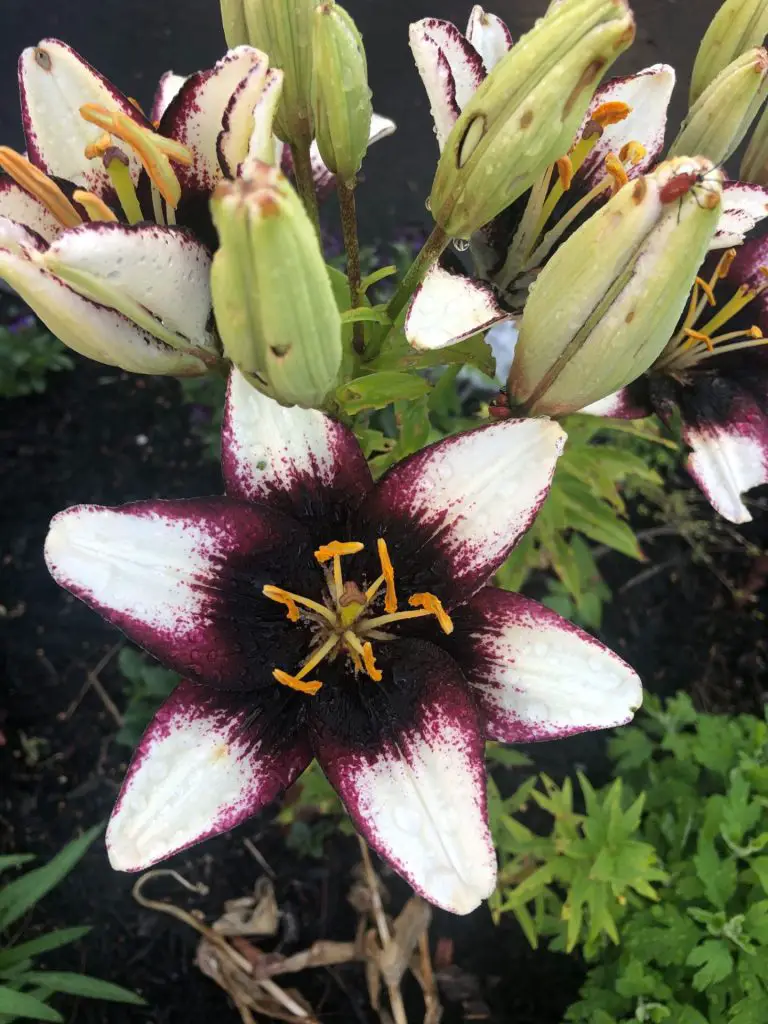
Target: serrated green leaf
<point>83,985</point>
<point>379,390</point>
<point>24,1004</point>
<point>718,875</point>
<point>21,894</point>
<point>528,926</point>
<point>714,959</point>
<point>44,944</point>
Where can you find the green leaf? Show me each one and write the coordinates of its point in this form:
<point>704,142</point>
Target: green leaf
<point>15,860</point>
<point>472,352</point>
<point>43,944</point>
<point>378,275</point>
<point>23,893</point>
<point>21,1004</point>
<point>373,314</point>
<point>719,877</point>
<point>714,959</point>
<point>507,756</point>
<point>528,926</point>
<point>83,985</point>
<point>378,390</point>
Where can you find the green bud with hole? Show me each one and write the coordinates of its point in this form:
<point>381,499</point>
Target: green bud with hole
<point>527,112</point>
<point>272,296</point>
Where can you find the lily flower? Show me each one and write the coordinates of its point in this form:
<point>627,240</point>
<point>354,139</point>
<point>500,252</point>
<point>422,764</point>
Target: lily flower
<point>105,229</point>
<point>621,138</point>
<point>713,378</point>
<point>314,613</point>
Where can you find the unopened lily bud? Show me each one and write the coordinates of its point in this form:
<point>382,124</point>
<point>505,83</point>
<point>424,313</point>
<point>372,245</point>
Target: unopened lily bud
<point>720,118</point>
<point>754,166</point>
<point>527,112</point>
<point>607,302</point>
<point>283,30</point>
<point>272,296</point>
<point>738,26</point>
<point>341,99</point>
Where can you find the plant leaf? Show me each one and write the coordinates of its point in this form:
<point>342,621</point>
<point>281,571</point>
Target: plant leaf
<point>83,985</point>
<point>43,944</point>
<point>20,1004</point>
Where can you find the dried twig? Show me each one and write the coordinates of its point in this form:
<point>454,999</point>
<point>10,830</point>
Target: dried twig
<point>92,681</point>
<point>382,926</point>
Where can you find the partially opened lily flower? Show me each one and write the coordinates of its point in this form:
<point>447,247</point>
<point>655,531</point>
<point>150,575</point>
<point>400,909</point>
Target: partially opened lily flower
<point>104,226</point>
<point>621,138</point>
<point>713,377</point>
<point>313,613</point>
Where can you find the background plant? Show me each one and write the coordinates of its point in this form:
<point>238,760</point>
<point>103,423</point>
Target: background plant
<point>25,990</point>
<point>28,353</point>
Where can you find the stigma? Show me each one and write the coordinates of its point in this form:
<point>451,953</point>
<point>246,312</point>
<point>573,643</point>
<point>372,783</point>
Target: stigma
<point>352,618</point>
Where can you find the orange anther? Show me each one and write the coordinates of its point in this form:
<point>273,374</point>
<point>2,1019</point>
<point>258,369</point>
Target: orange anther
<point>611,113</point>
<point>337,548</point>
<point>309,686</point>
<point>370,663</point>
<point>565,172</point>
<point>388,572</point>
<point>433,605</point>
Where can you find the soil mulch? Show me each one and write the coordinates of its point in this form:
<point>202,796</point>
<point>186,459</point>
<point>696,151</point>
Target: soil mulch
<point>98,435</point>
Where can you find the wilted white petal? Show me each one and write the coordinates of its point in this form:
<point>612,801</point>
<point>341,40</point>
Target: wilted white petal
<point>447,308</point>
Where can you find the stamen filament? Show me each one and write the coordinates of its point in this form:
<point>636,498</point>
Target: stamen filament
<point>693,336</point>
<point>96,208</point>
<point>40,186</point>
<point>365,652</point>
<point>297,682</point>
<point>528,230</point>
<point>742,298</point>
<point>707,289</point>
<point>292,600</point>
<point>120,176</point>
<point>157,205</point>
<point>554,234</point>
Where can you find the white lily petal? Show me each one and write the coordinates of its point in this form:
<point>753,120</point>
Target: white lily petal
<point>726,461</point>
<point>647,93</point>
<point>447,308</point>
<point>263,145</point>
<point>537,676</point>
<point>744,206</point>
<point>293,458</point>
<point>381,127</point>
<point>18,239</point>
<point>91,329</point>
<point>489,35</point>
<point>17,204</point>
<point>54,82</point>
<point>419,797</point>
<point>169,574</point>
<point>238,122</point>
<point>167,88</point>
<point>195,117</point>
<point>165,271</point>
<point>203,766</point>
<point>463,503</point>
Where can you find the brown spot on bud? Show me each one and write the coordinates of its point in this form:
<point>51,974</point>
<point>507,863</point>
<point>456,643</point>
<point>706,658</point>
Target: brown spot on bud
<point>588,75</point>
<point>526,119</point>
<point>629,317</point>
<point>42,58</point>
<point>639,190</point>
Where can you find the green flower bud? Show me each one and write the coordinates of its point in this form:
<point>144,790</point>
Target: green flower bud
<point>607,302</point>
<point>283,30</point>
<point>527,111</point>
<point>274,306</point>
<point>738,26</point>
<point>341,99</point>
<point>754,166</point>
<point>722,115</point>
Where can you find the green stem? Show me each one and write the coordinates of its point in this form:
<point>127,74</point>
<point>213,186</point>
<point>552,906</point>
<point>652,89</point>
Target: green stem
<point>430,253</point>
<point>352,247</point>
<point>305,184</point>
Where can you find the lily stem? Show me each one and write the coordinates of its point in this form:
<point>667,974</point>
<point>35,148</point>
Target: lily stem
<point>430,253</point>
<point>348,209</point>
<point>305,184</point>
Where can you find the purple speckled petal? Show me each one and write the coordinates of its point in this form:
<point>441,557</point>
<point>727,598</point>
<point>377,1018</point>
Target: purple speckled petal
<point>648,94</point>
<point>205,764</point>
<point>18,205</point>
<point>631,403</point>
<point>748,269</point>
<point>184,580</point>
<point>536,676</point>
<point>744,206</point>
<point>54,82</point>
<point>447,308</point>
<point>298,460</point>
<point>195,115</point>
<point>724,421</point>
<point>450,68</point>
<point>452,512</point>
<point>418,796</point>
<point>489,35</point>
<point>167,88</point>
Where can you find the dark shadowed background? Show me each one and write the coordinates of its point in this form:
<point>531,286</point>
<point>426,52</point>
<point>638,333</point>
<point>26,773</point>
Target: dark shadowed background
<point>134,43</point>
